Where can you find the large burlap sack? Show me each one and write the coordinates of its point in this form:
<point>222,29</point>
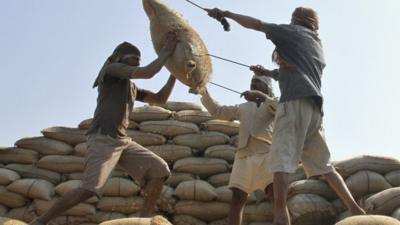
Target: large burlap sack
<point>261,223</point>
<point>166,202</point>
<point>11,199</point>
<point>393,178</point>
<point>168,128</point>
<point>45,146</point>
<point>224,194</point>
<point>171,153</point>
<point>3,210</point>
<point>69,220</point>
<point>384,202</point>
<point>396,214</point>
<point>197,190</point>
<point>204,167</point>
<point>219,180</point>
<point>317,187</point>
<point>120,204</point>
<point>226,152</point>
<point>365,182</point>
<point>30,171</point>
<point>80,176</point>
<point>86,124</point>
<point>187,220</point>
<point>234,140</point>
<point>18,155</point>
<point>307,209</point>
<point>193,116</point>
<point>8,176</point>
<point>144,139</point>
<point>377,164</point>
<point>117,186</point>
<point>147,113</point>
<point>219,222</point>
<point>339,205</point>
<point>190,63</point>
<point>201,140</point>
<point>180,106</point>
<point>101,216</point>
<point>207,211</point>
<point>82,209</point>
<point>26,213</point>
<point>81,149</point>
<point>67,186</point>
<point>227,127</point>
<point>8,221</point>
<point>33,188</point>
<point>259,212</point>
<point>68,135</point>
<point>62,164</point>
<point>157,220</point>
<point>176,178</point>
<point>369,220</point>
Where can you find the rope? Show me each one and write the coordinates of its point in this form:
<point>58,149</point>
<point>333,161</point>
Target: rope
<point>226,88</point>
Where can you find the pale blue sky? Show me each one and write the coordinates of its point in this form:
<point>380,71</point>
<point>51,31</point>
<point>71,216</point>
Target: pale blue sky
<point>51,52</point>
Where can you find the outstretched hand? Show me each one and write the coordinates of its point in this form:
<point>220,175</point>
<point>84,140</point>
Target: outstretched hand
<point>216,13</point>
<point>254,96</point>
<point>259,70</point>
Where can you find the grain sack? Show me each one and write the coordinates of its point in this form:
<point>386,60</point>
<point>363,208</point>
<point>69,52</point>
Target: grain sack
<point>261,223</point>
<point>171,153</point>
<point>18,155</point>
<point>219,180</point>
<point>190,63</point>
<point>396,214</point>
<point>317,187</point>
<point>144,139</point>
<point>219,222</point>
<point>187,220</point>
<point>67,186</point>
<point>377,164</point>
<point>201,140</point>
<point>339,205</point>
<point>147,113</point>
<point>26,214</point>
<point>168,128</point>
<point>259,212</point>
<point>30,171</point>
<point>176,178</point>
<point>157,220</point>
<point>85,124</point>
<point>81,149</point>
<point>11,199</point>
<point>227,127</point>
<point>384,202</point>
<point>8,221</point>
<point>3,210</point>
<point>45,146</point>
<point>33,188</point>
<point>68,220</point>
<point>234,140</point>
<point>204,167</point>
<point>62,164</point>
<point>197,190</point>
<point>82,209</point>
<point>193,116</point>
<point>393,178</point>
<point>120,204</point>
<point>166,202</point>
<point>224,194</point>
<point>180,106</point>
<point>7,176</point>
<point>310,209</point>
<point>117,186</point>
<point>226,152</point>
<point>369,220</point>
<point>68,135</point>
<point>207,211</point>
<point>365,182</point>
<point>101,216</point>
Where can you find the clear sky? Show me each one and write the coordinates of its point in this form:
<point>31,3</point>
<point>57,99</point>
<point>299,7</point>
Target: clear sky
<point>51,52</point>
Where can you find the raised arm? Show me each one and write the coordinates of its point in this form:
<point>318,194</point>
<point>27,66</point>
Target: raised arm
<point>261,71</point>
<point>243,20</point>
<point>217,111</point>
<point>161,96</point>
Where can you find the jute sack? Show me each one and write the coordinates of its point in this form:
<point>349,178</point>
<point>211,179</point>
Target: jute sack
<point>261,223</point>
<point>86,124</point>
<point>117,186</point>
<point>11,199</point>
<point>369,220</point>
<point>8,176</point>
<point>193,116</point>
<point>227,127</point>
<point>180,106</point>
<point>365,182</point>
<point>226,152</point>
<point>219,222</point>
<point>67,186</point>
<point>393,178</point>
<point>18,155</point>
<point>144,139</point>
<point>8,221</point>
<point>33,188</point>
<point>201,140</point>
<point>234,140</point>
<point>219,180</point>
<point>30,171</point>
<point>384,202</point>
<point>197,190</point>
<point>62,164</point>
<point>120,204</point>
<point>310,209</point>
<point>68,135</point>
<point>26,213</point>
<point>171,153</point>
<point>339,205</point>
<point>147,113</point>
<point>168,128</point>
<point>68,220</point>
<point>207,211</point>
<point>45,146</point>
<point>81,149</point>
<point>176,178</point>
<point>3,210</point>
<point>101,216</point>
<point>316,187</point>
<point>157,220</point>
<point>396,214</point>
<point>377,164</point>
<point>204,167</point>
<point>82,209</point>
<point>224,194</point>
<point>187,220</point>
<point>80,176</point>
<point>166,202</point>
<point>259,212</point>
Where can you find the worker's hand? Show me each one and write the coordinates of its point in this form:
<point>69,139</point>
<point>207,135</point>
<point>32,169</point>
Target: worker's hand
<point>216,13</point>
<point>254,96</point>
<point>171,40</point>
<point>259,70</point>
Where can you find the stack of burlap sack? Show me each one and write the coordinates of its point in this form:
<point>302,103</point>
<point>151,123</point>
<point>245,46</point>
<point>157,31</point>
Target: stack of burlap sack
<point>200,152</point>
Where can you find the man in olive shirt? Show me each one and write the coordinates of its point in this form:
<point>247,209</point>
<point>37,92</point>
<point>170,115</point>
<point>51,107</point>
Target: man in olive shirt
<point>298,134</point>
<point>108,144</point>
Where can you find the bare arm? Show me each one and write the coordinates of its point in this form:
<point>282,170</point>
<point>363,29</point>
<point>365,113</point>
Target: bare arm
<point>261,71</point>
<point>161,96</point>
<point>243,20</point>
<point>217,111</point>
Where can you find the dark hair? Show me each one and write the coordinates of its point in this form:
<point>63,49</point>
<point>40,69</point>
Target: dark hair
<point>306,17</point>
<point>123,49</point>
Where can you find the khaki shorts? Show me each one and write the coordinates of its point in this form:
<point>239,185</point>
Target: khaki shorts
<point>105,152</point>
<point>250,172</point>
<point>298,136</point>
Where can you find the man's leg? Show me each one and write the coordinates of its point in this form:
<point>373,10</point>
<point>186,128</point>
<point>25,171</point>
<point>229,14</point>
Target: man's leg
<point>281,185</point>
<point>269,192</point>
<point>239,199</point>
<point>152,191</point>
